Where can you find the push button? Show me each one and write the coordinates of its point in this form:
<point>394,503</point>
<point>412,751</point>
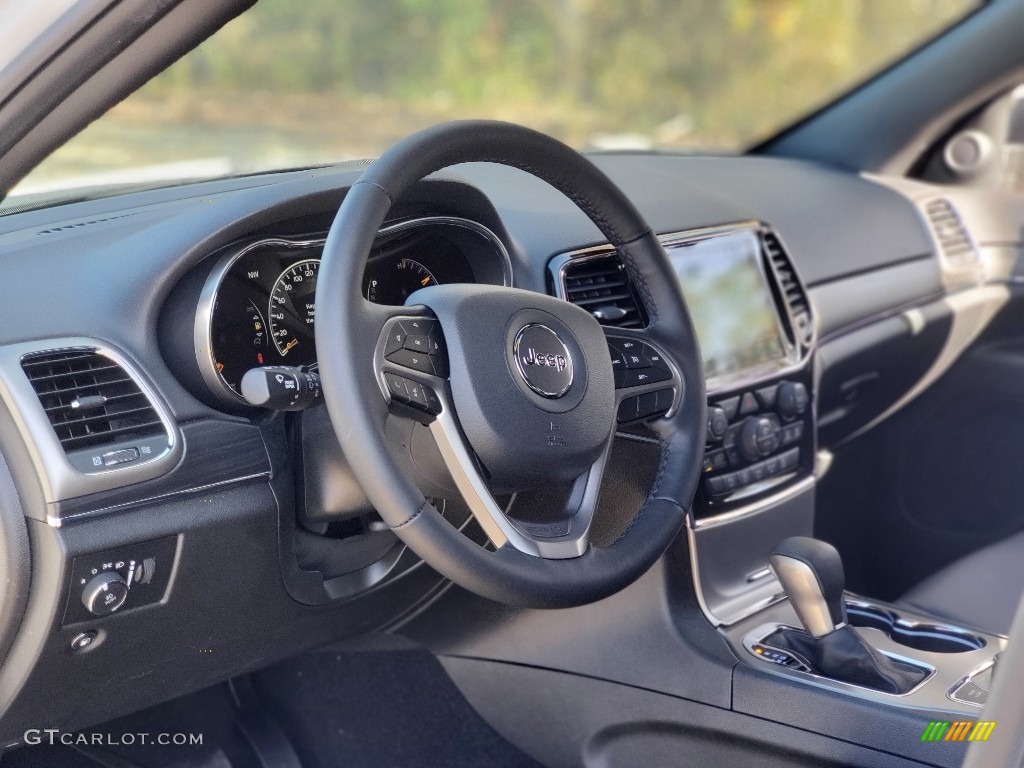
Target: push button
<point>396,386</point>
<point>418,361</point>
<point>396,339</point>
<point>416,396</point>
<point>418,343</point>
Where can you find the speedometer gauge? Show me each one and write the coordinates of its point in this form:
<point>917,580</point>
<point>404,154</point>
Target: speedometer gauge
<point>291,313</point>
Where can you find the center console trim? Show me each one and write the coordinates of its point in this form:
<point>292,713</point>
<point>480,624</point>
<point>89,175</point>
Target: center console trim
<point>757,637</point>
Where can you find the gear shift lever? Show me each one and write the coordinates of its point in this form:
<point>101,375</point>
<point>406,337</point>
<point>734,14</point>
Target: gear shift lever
<point>811,572</point>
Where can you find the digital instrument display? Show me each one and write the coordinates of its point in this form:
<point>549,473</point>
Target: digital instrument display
<point>731,305</point>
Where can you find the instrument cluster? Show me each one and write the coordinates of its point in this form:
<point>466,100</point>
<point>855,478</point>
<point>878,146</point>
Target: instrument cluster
<point>257,306</point>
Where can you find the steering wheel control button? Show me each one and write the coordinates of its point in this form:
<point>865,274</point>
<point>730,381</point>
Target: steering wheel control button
<point>396,339</point>
<point>543,360</point>
<point>418,361</point>
<point>396,386</point>
<point>105,593</point>
<point>413,393</point>
<point>646,406</point>
<point>636,364</point>
<point>417,343</point>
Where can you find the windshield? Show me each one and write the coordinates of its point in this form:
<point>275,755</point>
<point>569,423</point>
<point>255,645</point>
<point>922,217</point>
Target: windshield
<point>296,84</point>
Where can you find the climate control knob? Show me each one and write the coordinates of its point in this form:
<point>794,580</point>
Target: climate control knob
<point>105,593</point>
<point>718,423</point>
<point>792,399</point>
<point>759,437</point>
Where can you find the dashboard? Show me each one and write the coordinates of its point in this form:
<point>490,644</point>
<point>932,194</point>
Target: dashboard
<point>261,542</point>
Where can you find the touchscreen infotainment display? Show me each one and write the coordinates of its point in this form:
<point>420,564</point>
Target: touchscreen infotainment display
<point>731,305</point>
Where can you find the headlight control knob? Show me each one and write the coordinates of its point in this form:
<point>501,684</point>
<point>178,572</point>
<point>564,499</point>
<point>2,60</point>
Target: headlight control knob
<point>105,593</point>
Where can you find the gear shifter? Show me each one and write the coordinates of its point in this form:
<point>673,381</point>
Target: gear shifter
<point>811,573</point>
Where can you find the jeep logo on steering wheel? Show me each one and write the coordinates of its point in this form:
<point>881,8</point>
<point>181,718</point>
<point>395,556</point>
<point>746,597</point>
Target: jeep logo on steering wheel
<point>543,360</point>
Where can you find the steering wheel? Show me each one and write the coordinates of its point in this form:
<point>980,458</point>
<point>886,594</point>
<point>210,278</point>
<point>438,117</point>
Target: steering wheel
<point>519,389</point>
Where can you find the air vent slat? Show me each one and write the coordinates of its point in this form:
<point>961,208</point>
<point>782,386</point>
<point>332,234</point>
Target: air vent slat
<point>89,399</point>
<point>601,283</point>
<point>792,290</point>
<point>954,240</point>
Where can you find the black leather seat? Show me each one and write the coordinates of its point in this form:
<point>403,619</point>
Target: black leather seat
<point>979,591</point>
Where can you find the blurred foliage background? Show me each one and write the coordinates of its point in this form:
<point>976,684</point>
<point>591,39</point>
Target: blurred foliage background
<point>293,83</point>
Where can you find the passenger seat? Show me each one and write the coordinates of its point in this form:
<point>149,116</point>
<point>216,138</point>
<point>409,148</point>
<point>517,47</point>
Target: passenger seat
<point>979,591</point>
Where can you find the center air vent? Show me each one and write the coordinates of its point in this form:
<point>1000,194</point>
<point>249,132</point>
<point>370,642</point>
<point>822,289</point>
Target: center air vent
<point>792,291</point>
<point>90,400</point>
<point>949,229</point>
<point>600,285</point>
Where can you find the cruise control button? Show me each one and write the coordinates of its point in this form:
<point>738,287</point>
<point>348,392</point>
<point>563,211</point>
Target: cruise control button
<point>636,359</point>
<point>639,377</point>
<point>418,361</point>
<point>618,359</point>
<point>655,357</point>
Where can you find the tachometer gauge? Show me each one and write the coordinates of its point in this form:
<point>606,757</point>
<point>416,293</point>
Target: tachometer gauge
<point>401,278</point>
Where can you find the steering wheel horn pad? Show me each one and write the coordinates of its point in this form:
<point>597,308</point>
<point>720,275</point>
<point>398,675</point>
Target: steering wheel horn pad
<point>530,397</point>
<point>523,439</point>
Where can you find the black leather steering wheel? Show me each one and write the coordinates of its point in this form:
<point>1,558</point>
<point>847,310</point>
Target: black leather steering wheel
<point>518,387</point>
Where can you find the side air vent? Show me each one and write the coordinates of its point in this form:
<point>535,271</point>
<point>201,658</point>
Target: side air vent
<point>793,293</point>
<point>91,401</point>
<point>954,241</point>
<point>602,286</point>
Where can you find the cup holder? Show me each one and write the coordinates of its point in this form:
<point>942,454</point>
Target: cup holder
<point>932,638</point>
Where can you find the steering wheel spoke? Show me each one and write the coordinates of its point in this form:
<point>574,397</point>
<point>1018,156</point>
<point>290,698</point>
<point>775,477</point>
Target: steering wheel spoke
<point>565,537</point>
<point>648,385</point>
